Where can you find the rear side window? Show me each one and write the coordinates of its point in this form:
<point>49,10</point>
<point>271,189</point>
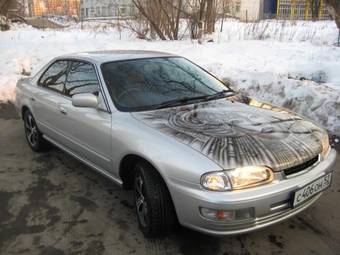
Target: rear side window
<point>55,76</point>
<point>81,78</point>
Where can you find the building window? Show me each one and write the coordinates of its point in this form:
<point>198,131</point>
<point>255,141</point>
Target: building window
<point>87,12</point>
<point>97,11</point>
<point>112,11</point>
<point>132,10</point>
<point>104,12</point>
<point>122,11</point>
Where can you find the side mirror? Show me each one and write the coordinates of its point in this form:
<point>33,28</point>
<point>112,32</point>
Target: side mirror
<point>85,100</point>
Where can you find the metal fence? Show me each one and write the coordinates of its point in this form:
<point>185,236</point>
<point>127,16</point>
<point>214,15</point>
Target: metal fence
<point>302,10</point>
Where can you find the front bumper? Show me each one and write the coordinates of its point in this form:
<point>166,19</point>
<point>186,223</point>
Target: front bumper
<point>271,203</point>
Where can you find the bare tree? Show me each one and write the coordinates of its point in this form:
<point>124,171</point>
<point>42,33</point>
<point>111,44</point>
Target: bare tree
<point>210,17</point>
<point>203,15</point>
<point>333,7</point>
<point>162,15</point>
<point>5,5</point>
<point>315,7</point>
<point>138,25</point>
<point>4,24</point>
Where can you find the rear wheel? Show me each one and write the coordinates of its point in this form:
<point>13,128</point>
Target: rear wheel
<point>33,136</point>
<point>155,211</point>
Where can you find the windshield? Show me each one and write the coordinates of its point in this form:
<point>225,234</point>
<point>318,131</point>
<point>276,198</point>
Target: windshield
<point>146,84</point>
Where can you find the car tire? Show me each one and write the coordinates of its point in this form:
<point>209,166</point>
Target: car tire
<point>154,207</point>
<point>33,136</point>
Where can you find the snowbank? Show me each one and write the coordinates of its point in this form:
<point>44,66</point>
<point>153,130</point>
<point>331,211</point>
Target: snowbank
<point>303,76</point>
<point>318,102</point>
<point>319,32</point>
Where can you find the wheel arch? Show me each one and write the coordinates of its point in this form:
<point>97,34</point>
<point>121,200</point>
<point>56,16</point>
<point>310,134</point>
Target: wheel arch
<point>24,109</point>
<point>126,169</point>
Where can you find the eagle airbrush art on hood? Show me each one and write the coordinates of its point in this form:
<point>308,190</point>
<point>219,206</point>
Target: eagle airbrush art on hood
<point>239,131</point>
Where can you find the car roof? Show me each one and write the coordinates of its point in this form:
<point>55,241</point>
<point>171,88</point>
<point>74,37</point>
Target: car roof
<point>115,55</point>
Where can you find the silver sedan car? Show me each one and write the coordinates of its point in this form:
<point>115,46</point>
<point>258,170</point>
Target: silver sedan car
<point>194,151</point>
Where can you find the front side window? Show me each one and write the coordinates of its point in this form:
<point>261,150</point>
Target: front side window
<point>81,78</point>
<point>145,84</point>
<point>55,76</point>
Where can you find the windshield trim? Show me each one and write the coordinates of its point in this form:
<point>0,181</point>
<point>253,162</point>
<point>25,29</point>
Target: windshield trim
<point>154,107</point>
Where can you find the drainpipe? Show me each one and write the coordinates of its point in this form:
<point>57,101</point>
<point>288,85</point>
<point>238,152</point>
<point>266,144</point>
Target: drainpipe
<point>320,10</point>
<point>293,9</point>
<point>307,9</point>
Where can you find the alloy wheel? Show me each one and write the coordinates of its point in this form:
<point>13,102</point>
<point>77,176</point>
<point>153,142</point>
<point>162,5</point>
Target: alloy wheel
<point>141,203</point>
<point>31,130</point>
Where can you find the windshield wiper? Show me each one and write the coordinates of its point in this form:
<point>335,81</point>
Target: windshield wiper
<point>220,94</point>
<point>177,102</point>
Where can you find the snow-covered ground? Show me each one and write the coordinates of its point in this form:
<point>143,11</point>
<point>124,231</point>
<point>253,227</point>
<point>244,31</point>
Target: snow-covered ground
<point>324,32</point>
<point>295,65</point>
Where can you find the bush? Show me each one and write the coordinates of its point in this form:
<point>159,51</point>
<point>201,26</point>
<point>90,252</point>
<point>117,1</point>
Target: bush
<point>4,24</point>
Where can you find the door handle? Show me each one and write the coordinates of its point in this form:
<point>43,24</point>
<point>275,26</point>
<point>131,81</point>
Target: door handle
<point>32,99</point>
<point>63,110</point>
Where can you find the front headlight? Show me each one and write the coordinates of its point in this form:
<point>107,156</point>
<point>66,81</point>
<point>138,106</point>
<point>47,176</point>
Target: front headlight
<point>325,145</point>
<point>215,181</point>
<point>238,178</point>
<point>250,176</point>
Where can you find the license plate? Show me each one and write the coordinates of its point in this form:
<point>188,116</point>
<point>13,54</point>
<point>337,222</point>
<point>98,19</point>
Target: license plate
<point>312,189</point>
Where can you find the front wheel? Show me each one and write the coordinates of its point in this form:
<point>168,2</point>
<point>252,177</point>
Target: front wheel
<point>154,207</point>
<point>33,136</point>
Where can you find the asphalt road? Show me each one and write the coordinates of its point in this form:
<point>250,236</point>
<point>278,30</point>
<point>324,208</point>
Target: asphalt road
<point>52,204</point>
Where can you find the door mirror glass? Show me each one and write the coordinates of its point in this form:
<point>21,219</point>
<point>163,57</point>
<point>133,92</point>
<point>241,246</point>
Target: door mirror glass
<point>85,100</point>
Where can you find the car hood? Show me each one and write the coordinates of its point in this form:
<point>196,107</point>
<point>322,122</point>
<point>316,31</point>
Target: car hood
<point>238,131</point>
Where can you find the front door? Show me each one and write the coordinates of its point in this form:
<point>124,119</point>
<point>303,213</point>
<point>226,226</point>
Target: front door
<point>88,129</point>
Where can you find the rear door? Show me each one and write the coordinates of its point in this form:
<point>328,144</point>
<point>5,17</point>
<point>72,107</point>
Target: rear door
<point>48,96</point>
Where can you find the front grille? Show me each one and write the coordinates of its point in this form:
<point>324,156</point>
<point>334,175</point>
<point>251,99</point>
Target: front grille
<point>303,166</point>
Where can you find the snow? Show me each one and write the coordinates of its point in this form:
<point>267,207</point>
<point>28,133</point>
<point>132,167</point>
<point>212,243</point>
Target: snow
<point>295,65</point>
<point>319,32</point>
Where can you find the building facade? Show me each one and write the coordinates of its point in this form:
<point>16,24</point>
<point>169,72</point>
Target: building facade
<point>53,7</point>
<point>106,9</point>
<point>302,9</point>
<point>254,10</point>
<point>248,10</point>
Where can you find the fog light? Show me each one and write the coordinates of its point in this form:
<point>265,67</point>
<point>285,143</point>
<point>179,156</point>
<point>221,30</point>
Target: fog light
<point>227,215</point>
<point>244,214</point>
